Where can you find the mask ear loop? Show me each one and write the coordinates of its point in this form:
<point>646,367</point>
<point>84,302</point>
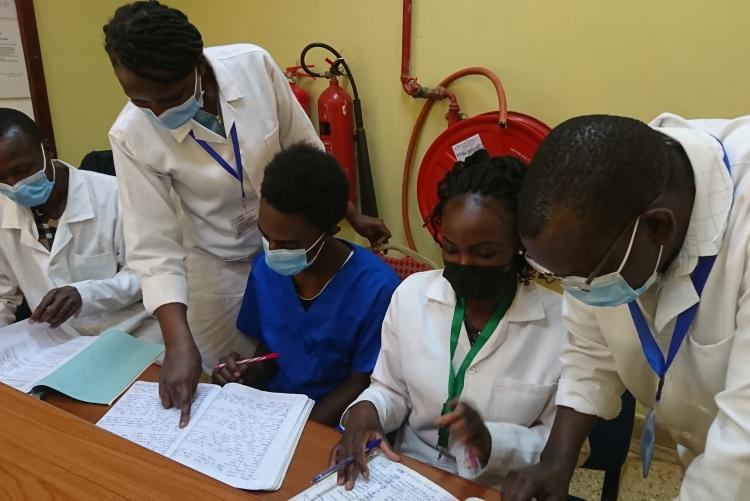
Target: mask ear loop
<point>198,85</point>
<point>630,246</point>
<point>44,165</point>
<point>311,261</point>
<point>658,260</point>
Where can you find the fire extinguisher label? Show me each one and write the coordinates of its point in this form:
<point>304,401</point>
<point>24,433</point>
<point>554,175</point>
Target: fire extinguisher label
<point>465,148</point>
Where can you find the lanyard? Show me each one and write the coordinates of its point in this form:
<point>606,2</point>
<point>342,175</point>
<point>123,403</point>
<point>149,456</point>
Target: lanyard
<point>651,349</point>
<point>456,380</point>
<point>236,173</point>
<point>653,354</point>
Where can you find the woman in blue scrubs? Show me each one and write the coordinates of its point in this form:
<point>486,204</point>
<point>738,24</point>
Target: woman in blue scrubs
<point>316,300</point>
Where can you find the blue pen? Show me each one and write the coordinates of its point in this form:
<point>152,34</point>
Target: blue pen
<point>342,464</point>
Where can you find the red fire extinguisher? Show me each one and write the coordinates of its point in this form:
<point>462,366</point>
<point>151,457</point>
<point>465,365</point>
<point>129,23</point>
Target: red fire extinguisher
<point>293,75</point>
<point>336,120</point>
<point>342,129</point>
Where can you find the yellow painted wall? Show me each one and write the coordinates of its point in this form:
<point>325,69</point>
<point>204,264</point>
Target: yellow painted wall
<point>556,59</point>
<point>83,92</point>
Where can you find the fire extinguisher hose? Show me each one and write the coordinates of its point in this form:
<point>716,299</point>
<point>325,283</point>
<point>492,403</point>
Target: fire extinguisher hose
<point>368,202</point>
<point>417,131</point>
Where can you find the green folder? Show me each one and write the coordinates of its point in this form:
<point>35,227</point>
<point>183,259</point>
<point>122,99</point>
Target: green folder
<point>104,369</point>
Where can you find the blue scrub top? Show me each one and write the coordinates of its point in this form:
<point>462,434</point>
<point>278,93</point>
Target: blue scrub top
<point>338,334</point>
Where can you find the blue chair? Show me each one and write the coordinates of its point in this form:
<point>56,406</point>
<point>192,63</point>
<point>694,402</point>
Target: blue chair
<point>610,442</point>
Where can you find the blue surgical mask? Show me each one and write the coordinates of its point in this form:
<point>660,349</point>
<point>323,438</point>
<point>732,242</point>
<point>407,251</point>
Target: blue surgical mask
<point>611,289</point>
<point>289,262</point>
<point>176,117</point>
<point>33,190</point>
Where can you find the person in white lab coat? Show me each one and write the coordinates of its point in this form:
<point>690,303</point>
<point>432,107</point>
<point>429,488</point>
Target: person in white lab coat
<point>61,241</point>
<point>636,220</point>
<point>505,329</point>
<point>201,124</point>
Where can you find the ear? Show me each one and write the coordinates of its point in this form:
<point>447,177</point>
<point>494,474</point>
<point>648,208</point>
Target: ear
<point>661,225</point>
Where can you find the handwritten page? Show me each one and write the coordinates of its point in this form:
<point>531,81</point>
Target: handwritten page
<point>140,417</point>
<point>239,435</point>
<point>389,481</point>
<point>243,436</point>
<point>31,352</point>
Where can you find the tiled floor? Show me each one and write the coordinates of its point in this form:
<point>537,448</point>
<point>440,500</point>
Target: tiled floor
<point>662,484</point>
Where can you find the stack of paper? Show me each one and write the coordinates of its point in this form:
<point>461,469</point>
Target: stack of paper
<point>388,481</point>
<point>239,435</point>
<point>94,369</point>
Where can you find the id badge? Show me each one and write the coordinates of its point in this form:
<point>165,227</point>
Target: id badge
<point>648,439</point>
<point>246,220</point>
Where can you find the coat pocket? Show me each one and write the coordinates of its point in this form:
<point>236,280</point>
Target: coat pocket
<point>92,266</point>
<point>518,402</point>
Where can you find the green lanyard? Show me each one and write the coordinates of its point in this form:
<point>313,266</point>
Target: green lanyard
<point>456,380</point>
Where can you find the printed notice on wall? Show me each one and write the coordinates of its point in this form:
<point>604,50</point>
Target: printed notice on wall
<point>14,82</point>
<point>466,147</point>
<point>8,9</point>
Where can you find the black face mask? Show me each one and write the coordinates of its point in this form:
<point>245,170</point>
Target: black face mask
<point>480,282</point>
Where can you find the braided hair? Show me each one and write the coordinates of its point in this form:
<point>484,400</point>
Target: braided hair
<point>497,178</point>
<point>154,41</point>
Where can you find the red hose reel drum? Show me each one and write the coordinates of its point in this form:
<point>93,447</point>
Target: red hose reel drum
<point>520,139</point>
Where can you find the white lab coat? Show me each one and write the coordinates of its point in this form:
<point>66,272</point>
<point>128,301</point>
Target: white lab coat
<point>86,254</point>
<point>705,405</point>
<point>151,160</point>
<point>511,382</point>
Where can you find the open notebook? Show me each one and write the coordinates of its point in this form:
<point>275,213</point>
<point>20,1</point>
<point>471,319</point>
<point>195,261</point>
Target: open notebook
<point>239,435</point>
<point>95,369</point>
<point>388,481</point>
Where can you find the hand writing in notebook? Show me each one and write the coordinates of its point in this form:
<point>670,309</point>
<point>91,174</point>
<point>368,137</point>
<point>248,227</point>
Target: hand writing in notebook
<point>230,371</point>
<point>466,426</point>
<point>362,425</point>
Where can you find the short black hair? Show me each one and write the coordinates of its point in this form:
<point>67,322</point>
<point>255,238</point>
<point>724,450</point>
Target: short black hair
<point>153,41</point>
<point>498,178</point>
<point>304,180</point>
<point>602,168</point>
<point>14,120</point>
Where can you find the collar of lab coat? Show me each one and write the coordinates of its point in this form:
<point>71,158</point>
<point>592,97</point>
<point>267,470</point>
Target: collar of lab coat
<point>526,307</point>
<point>229,91</point>
<point>78,208</point>
<point>713,196</point>
<point>713,200</point>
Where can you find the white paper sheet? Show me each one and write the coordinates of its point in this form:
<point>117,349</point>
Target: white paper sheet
<point>31,352</point>
<point>14,82</point>
<point>389,481</point>
<point>239,435</point>
<point>140,417</point>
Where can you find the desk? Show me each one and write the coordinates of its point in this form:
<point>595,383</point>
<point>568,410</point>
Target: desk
<point>310,458</point>
<point>46,453</point>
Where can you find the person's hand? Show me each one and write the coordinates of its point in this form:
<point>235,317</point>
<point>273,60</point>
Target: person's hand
<point>178,378</point>
<point>466,425</point>
<point>372,228</point>
<point>542,481</point>
<point>362,425</point>
<point>57,306</point>
<point>232,372</point>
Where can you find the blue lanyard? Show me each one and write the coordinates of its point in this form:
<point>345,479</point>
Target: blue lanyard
<point>651,349</point>
<point>238,173</point>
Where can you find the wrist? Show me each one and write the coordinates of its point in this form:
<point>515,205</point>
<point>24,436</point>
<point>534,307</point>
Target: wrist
<point>361,414</point>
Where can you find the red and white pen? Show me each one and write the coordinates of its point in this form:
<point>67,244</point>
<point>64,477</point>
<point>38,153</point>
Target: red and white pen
<point>268,356</point>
